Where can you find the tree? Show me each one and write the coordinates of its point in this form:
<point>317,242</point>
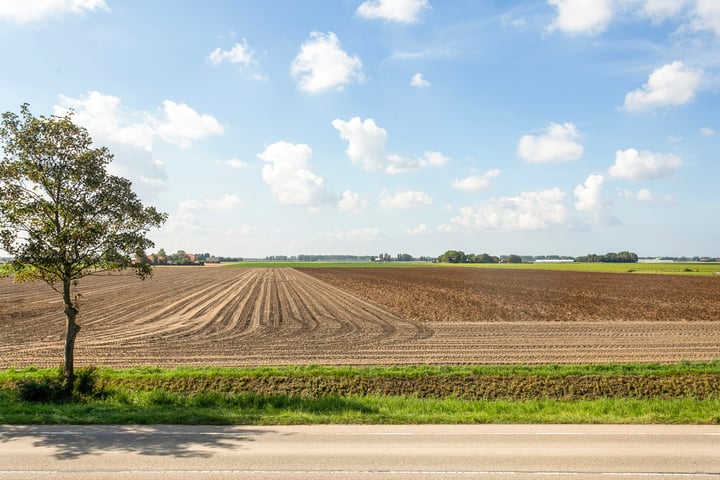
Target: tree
<point>514,259</point>
<point>62,216</point>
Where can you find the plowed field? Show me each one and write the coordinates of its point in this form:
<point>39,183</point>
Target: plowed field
<point>226,316</point>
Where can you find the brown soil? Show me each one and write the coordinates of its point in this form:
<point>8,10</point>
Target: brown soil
<point>224,316</point>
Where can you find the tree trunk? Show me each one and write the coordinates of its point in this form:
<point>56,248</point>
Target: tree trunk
<point>71,331</point>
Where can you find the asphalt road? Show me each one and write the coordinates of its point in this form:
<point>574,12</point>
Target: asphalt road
<point>361,452</point>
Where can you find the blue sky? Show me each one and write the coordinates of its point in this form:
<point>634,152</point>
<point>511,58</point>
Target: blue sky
<point>359,127</point>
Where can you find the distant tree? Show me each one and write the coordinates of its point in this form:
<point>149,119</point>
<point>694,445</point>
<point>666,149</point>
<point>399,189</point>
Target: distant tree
<point>610,257</point>
<point>453,256</point>
<point>62,216</point>
<point>514,259</point>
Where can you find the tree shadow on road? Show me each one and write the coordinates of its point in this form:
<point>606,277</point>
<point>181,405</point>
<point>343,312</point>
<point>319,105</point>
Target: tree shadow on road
<point>71,442</point>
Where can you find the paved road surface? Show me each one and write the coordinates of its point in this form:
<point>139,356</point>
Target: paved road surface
<point>361,452</point>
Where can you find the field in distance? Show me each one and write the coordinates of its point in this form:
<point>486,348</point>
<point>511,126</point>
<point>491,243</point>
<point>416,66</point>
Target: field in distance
<point>368,316</point>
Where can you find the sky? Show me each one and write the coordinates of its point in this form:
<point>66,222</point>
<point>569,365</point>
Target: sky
<point>287,127</point>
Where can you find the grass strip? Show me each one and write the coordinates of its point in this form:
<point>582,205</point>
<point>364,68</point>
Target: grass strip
<point>158,407</point>
<point>410,371</point>
<point>693,268</point>
<point>684,393</point>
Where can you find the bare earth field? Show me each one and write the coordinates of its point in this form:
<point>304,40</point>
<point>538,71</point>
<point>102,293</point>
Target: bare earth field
<point>364,316</point>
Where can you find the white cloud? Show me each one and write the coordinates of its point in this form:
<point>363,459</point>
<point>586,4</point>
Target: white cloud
<point>670,85</point>
<point>405,199</point>
<point>236,163</point>
<point>183,125</point>
<point>558,144</point>
<point>418,81</point>
<point>366,142</point>
<point>421,229</point>
<point>227,203</point>
<point>644,165</point>
<point>476,183</point>
<point>36,10</point>
<point>576,17</point>
<point>323,65</point>
<point>590,200</point>
<point>289,176</point>
<point>366,148</point>
<point>707,132</point>
<point>642,195</point>
<point>400,164</point>
<point>659,10</point>
<point>589,194</point>
<point>105,119</point>
<point>240,54</point>
<point>590,17</point>
<point>351,202</point>
<point>527,211</point>
<point>188,214</point>
<point>675,139</point>
<point>401,11</point>
<point>358,235</point>
<point>706,16</point>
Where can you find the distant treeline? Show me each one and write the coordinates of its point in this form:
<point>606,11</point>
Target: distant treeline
<point>458,256</point>
<point>621,257</point>
<point>383,257</point>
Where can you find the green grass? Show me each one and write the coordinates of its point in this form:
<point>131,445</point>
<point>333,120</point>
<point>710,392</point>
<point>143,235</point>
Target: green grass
<point>157,407</point>
<point>121,403</point>
<point>657,268</point>
<point>412,371</point>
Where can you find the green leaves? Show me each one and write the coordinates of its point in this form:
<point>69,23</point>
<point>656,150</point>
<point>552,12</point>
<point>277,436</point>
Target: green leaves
<point>60,211</point>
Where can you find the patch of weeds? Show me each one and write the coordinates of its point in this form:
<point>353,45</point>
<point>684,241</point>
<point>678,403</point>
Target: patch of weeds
<point>52,389</point>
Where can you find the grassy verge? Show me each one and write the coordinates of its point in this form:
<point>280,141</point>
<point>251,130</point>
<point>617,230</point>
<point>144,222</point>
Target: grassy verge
<point>657,268</point>
<point>687,393</point>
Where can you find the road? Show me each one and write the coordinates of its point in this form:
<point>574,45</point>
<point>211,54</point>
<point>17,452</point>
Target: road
<point>424,452</point>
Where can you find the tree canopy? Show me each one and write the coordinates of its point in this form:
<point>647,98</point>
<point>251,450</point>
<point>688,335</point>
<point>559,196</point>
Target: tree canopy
<point>62,215</point>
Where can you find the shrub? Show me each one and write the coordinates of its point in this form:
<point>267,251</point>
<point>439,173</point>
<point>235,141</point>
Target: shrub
<point>43,390</point>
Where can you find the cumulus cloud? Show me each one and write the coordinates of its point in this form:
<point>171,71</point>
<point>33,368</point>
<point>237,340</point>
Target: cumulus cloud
<point>323,65</point>
<point>366,148</point>
<point>35,11</point>
<point>181,125</point>
<point>706,16</point>
<point>642,195</point>
<point>240,54</point>
<point>105,118</point>
<point>130,135</point>
<point>590,17</point>
<point>417,80</point>
<point>557,144</point>
<point>421,229</point>
<point>707,132</point>
<point>405,199</point>
<point>400,11</point>
<point>366,142</point>
<point>643,165</point>
<point>408,163</point>
<point>576,17</point>
<point>476,183</point>
<point>588,194</point>
<point>188,214</point>
<point>525,212</point>
<point>351,202</point>
<point>289,176</point>
<point>670,85</point>
<point>590,200</point>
